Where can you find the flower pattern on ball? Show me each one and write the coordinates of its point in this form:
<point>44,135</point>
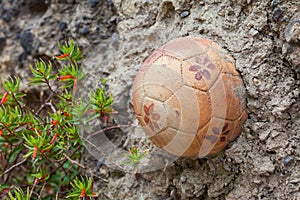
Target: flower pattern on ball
<point>198,68</point>
<point>151,117</point>
<point>224,133</point>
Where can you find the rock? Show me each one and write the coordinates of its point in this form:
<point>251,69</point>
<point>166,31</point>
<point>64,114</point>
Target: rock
<point>62,25</point>
<point>191,184</point>
<point>93,3</point>
<point>292,55</point>
<point>292,31</point>
<point>6,17</point>
<point>184,14</point>
<point>264,135</point>
<point>133,29</point>
<point>26,40</point>
<point>288,160</point>
<point>22,57</point>
<point>253,32</point>
<point>277,13</point>
<point>84,30</point>
<point>274,2</point>
<point>264,166</point>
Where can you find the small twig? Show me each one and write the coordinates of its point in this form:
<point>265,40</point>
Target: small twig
<point>51,161</point>
<point>33,186</point>
<point>33,192</point>
<point>14,97</point>
<point>2,159</point>
<point>10,131</point>
<point>43,105</point>
<point>51,106</point>
<point>47,104</point>
<point>56,196</point>
<point>74,162</point>
<point>94,146</point>
<point>53,91</point>
<point>42,190</point>
<point>12,167</point>
<point>72,61</point>
<point>106,129</point>
<point>62,163</point>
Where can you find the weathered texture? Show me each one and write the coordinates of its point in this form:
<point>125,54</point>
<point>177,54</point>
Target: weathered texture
<point>189,98</point>
<point>262,36</point>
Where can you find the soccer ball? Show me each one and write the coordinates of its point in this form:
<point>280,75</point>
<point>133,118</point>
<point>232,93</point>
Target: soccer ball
<point>189,98</point>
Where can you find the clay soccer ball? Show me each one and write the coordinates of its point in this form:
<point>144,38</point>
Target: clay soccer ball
<point>189,98</point>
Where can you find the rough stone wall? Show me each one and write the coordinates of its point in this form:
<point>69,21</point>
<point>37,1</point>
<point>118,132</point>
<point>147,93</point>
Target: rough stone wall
<point>262,36</point>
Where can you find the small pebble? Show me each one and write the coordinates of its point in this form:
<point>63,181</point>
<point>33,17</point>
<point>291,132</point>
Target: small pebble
<point>290,28</point>
<point>22,57</point>
<point>103,36</point>
<point>92,3</point>
<point>253,32</point>
<point>110,2</point>
<point>77,27</point>
<point>84,30</point>
<point>183,179</point>
<point>289,48</point>
<point>274,2</point>
<point>100,163</point>
<point>26,40</point>
<point>297,180</point>
<point>277,13</point>
<point>288,160</point>
<point>62,25</point>
<point>6,17</point>
<point>184,14</point>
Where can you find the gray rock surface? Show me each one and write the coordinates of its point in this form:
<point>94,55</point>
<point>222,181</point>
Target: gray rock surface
<point>116,36</point>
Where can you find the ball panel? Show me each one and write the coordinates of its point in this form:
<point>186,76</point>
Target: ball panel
<point>192,77</point>
<point>225,62</point>
<point>189,109</point>
<point>223,129</point>
<point>164,137</point>
<point>137,100</point>
<point>153,116</point>
<point>184,47</point>
<point>189,98</point>
<point>215,57</point>
<point>200,72</point>
<point>229,133</point>
<point>173,109</point>
<point>177,142</point>
<point>234,96</point>
<point>229,66</point>
<point>217,149</point>
<point>214,136</point>
<point>201,133</point>
<point>201,41</point>
<point>171,62</point>
<point>153,57</point>
<point>157,79</point>
<point>138,91</point>
<point>204,107</point>
<point>238,125</point>
<point>218,99</point>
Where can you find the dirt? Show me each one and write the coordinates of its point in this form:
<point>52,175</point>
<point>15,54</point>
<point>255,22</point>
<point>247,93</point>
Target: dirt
<point>116,36</point>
